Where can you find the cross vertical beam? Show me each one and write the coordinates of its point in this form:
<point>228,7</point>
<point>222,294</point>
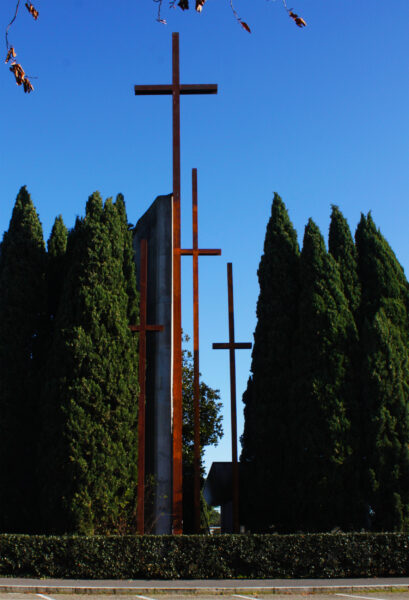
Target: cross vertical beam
<point>196,387</point>
<point>195,251</point>
<point>232,346</point>
<point>142,328</point>
<point>176,89</point>
<point>177,300</point>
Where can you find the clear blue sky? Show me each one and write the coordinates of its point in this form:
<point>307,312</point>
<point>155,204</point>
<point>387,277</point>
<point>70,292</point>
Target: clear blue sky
<point>320,115</point>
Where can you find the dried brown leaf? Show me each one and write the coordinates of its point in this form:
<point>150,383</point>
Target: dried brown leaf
<point>10,54</point>
<point>28,86</point>
<point>18,72</point>
<point>32,10</point>
<point>199,5</point>
<point>297,20</point>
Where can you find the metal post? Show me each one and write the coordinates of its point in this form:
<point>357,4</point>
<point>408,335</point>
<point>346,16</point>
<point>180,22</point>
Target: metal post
<point>177,304</point>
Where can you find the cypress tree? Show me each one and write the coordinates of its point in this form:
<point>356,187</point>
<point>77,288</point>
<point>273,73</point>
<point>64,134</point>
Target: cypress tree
<point>322,365</point>
<point>91,392</point>
<point>383,322</point>
<point>342,247</point>
<point>57,246</point>
<point>128,265</point>
<point>269,432</point>
<point>22,314</point>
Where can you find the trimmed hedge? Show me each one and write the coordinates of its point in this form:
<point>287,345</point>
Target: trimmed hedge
<point>205,557</point>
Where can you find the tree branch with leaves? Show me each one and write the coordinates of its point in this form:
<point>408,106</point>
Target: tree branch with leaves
<point>23,80</point>
<point>184,5</point>
<point>16,68</point>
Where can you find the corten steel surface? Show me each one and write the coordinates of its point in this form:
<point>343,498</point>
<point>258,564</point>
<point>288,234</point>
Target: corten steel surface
<point>176,89</point>
<point>166,90</point>
<point>142,328</point>
<point>232,346</point>
<point>196,252</point>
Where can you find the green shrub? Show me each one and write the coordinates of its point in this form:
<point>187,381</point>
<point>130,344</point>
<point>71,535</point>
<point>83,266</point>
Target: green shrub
<point>205,557</point>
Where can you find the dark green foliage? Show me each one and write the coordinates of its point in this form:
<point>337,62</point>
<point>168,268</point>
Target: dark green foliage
<point>55,277</point>
<point>128,264</point>
<point>383,280</point>
<point>213,517</point>
<point>22,321</point>
<point>385,377</point>
<point>90,454</point>
<point>341,416</point>
<point>341,246</point>
<point>211,431</point>
<point>57,246</point>
<point>205,557</point>
<point>269,433</point>
<point>322,368</point>
<point>383,322</point>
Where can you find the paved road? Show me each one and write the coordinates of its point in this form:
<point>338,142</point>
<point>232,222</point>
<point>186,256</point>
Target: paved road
<point>378,589</point>
<point>247,595</point>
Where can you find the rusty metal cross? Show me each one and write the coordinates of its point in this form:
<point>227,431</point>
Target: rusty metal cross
<point>176,89</point>
<point>142,328</point>
<point>232,346</point>
<point>195,251</point>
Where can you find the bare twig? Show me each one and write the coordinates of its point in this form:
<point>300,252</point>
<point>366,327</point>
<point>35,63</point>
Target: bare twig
<point>159,18</point>
<point>20,76</point>
<point>242,23</point>
<point>11,23</point>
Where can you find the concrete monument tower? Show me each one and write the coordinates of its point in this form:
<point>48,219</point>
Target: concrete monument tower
<point>155,226</point>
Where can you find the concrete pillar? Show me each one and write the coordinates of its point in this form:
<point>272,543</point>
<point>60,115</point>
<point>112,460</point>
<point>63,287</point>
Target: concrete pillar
<point>156,226</point>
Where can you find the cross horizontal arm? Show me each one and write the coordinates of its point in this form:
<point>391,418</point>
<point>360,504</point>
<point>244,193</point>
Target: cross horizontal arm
<point>235,346</point>
<point>166,89</point>
<point>202,252</point>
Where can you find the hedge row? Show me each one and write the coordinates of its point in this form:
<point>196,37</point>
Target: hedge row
<point>207,557</point>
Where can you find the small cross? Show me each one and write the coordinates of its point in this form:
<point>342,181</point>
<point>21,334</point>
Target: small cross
<point>232,346</point>
<point>195,251</point>
<point>142,328</point>
<point>176,89</point>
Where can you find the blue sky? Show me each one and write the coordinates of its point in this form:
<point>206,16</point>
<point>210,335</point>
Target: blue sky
<point>320,115</point>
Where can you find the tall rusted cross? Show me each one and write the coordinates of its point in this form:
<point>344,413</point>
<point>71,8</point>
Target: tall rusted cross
<point>195,251</point>
<point>142,328</point>
<point>232,346</point>
<point>176,89</point>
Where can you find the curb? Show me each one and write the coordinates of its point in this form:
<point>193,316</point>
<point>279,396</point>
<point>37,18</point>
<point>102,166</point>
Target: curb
<point>193,590</point>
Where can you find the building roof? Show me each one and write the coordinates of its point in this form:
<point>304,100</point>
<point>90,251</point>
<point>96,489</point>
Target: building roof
<point>218,485</point>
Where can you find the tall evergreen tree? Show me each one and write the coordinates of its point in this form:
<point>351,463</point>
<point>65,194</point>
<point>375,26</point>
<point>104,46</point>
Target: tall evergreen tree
<point>22,315</point>
<point>91,392</point>
<point>57,246</point>
<point>128,265</point>
<point>269,431</point>
<point>326,331</point>
<point>342,247</point>
<point>383,322</point>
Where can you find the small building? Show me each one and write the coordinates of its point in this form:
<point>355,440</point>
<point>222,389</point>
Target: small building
<point>218,491</point>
